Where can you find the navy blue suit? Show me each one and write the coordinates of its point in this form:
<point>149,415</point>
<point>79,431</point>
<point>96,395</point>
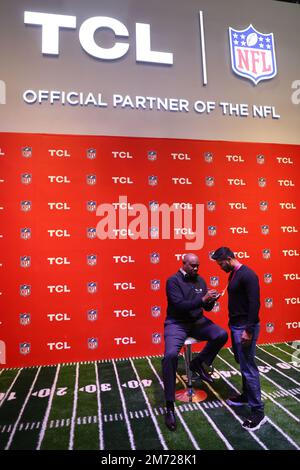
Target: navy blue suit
<point>185,318</point>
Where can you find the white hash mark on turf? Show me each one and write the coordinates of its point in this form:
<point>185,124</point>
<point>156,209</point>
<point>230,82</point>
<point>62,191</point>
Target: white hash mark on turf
<point>22,410</point>
<point>46,417</point>
<point>130,433</point>
<point>100,424</point>
<point>8,391</point>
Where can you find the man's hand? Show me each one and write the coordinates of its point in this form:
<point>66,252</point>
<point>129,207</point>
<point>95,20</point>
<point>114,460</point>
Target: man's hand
<point>246,338</point>
<point>210,296</point>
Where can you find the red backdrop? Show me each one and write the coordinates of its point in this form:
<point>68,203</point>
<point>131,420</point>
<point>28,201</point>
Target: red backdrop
<point>48,314</point>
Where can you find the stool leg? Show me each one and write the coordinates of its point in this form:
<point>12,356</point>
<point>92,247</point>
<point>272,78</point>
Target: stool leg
<point>188,358</point>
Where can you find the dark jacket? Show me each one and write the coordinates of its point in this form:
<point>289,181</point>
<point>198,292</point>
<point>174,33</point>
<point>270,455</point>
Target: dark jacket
<point>185,298</point>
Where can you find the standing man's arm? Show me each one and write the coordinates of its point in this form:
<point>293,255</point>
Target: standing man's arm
<point>253,297</point>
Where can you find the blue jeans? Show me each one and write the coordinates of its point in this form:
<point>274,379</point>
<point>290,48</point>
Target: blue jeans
<point>245,357</point>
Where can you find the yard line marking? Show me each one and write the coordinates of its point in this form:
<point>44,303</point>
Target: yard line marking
<point>288,353</point>
<point>73,420</point>
<point>46,417</point>
<point>278,371</point>
<point>275,383</point>
<point>288,438</point>
<point>186,428</point>
<point>279,359</point>
<point>268,395</point>
<point>290,346</point>
<point>158,430</point>
<point>8,391</point>
<point>22,410</point>
<point>100,424</point>
<point>130,433</point>
<point>232,412</point>
<point>215,427</point>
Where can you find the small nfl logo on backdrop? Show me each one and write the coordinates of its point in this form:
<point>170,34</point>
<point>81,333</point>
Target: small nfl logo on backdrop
<point>25,290</point>
<point>268,278</point>
<point>154,258</point>
<point>268,302</point>
<point>26,206</point>
<point>92,315</point>
<point>260,159</point>
<point>266,253</point>
<point>209,181</point>
<point>152,155</point>
<point>212,230</point>
<point>153,206</point>
<point>91,260</point>
<point>91,233</point>
<point>265,229</point>
<point>24,348</point>
<point>25,261</point>
<point>155,284</point>
<point>27,152</point>
<point>91,154</point>
<point>208,157</point>
<point>214,281</point>
<point>26,178</point>
<point>25,319</point>
<point>25,233</point>
<point>270,327</point>
<point>155,311</point>
<point>92,287</point>
<point>152,180</point>
<point>91,180</point>
<point>211,206</point>
<point>92,343</point>
<point>156,338</point>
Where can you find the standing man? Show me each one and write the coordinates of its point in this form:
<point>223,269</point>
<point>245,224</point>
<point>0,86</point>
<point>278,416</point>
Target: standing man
<point>187,296</point>
<point>243,307</point>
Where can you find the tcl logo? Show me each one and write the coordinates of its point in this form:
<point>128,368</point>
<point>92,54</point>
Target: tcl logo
<point>290,252</point>
<point>122,155</point>
<point>124,286</point>
<point>181,180</point>
<point>234,158</point>
<point>59,179</point>
<point>285,160</point>
<point>122,180</point>
<point>180,156</point>
<point>123,259</point>
<point>179,256</point>
<point>293,324</point>
<point>236,182</point>
<point>238,230</point>
<point>286,183</point>
<point>125,340</point>
<point>291,277</point>
<point>59,153</point>
<point>237,205</point>
<point>60,206</point>
<point>59,233</point>
<point>241,254</point>
<point>59,260</point>
<point>58,346</point>
<point>124,313</point>
<point>58,317</point>
<point>289,229</point>
<point>292,300</point>
<point>183,205</point>
<point>287,205</point>
<point>59,289</point>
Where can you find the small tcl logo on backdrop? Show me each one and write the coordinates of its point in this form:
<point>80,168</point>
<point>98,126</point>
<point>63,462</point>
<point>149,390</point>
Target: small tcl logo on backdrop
<point>293,324</point>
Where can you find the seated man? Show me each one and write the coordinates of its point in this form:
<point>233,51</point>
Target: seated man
<point>187,296</point>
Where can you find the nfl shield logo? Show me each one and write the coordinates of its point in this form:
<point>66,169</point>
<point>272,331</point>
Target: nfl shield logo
<point>252,54</point>
<point>263,205</point>
<point>91,206</point>
<point>154,258</point>
<point>265,229</point>
<point>260,159</point>
<point>24,348</point>
<point>92,287</point>
<point>26,206</point>
<point>25,233</point>
<point>91,233</point>
<point>155,284</point>
<point>156,338</point>
<point>208,157</point>
<point>210,255</point>
<point>92,315</point>
<point>153,206</point>
<point>154,232</point>
<point>25,261</point>
<point>212,230</point>
<point>270,327</point>
<point>91,180</point>
<point>91,154</point>
<point>152,180</point>
<point>25,290</point>
<point>152,155</point>
<point>211,206</point>
<point>27,152</point>
<point>268,278</point>
<point>216,307</point>
<point>24,319</point>
<point>266,253</point>
<point>214,281</point>
<point>92,343</point>
<point>209,181</point>
<point>26,178</point>
<point>91,260</point>
<point>155,311</point>
<point>262,182</point>
<point>268,302</point>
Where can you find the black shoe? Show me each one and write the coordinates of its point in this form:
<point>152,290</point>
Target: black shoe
<point>237,400</point>
<point>170,419</point>
<point>254,422</point>
<point>200,371</point>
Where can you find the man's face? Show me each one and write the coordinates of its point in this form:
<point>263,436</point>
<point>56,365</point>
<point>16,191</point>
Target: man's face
<point>225,265</point>
<point>191,266</point>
